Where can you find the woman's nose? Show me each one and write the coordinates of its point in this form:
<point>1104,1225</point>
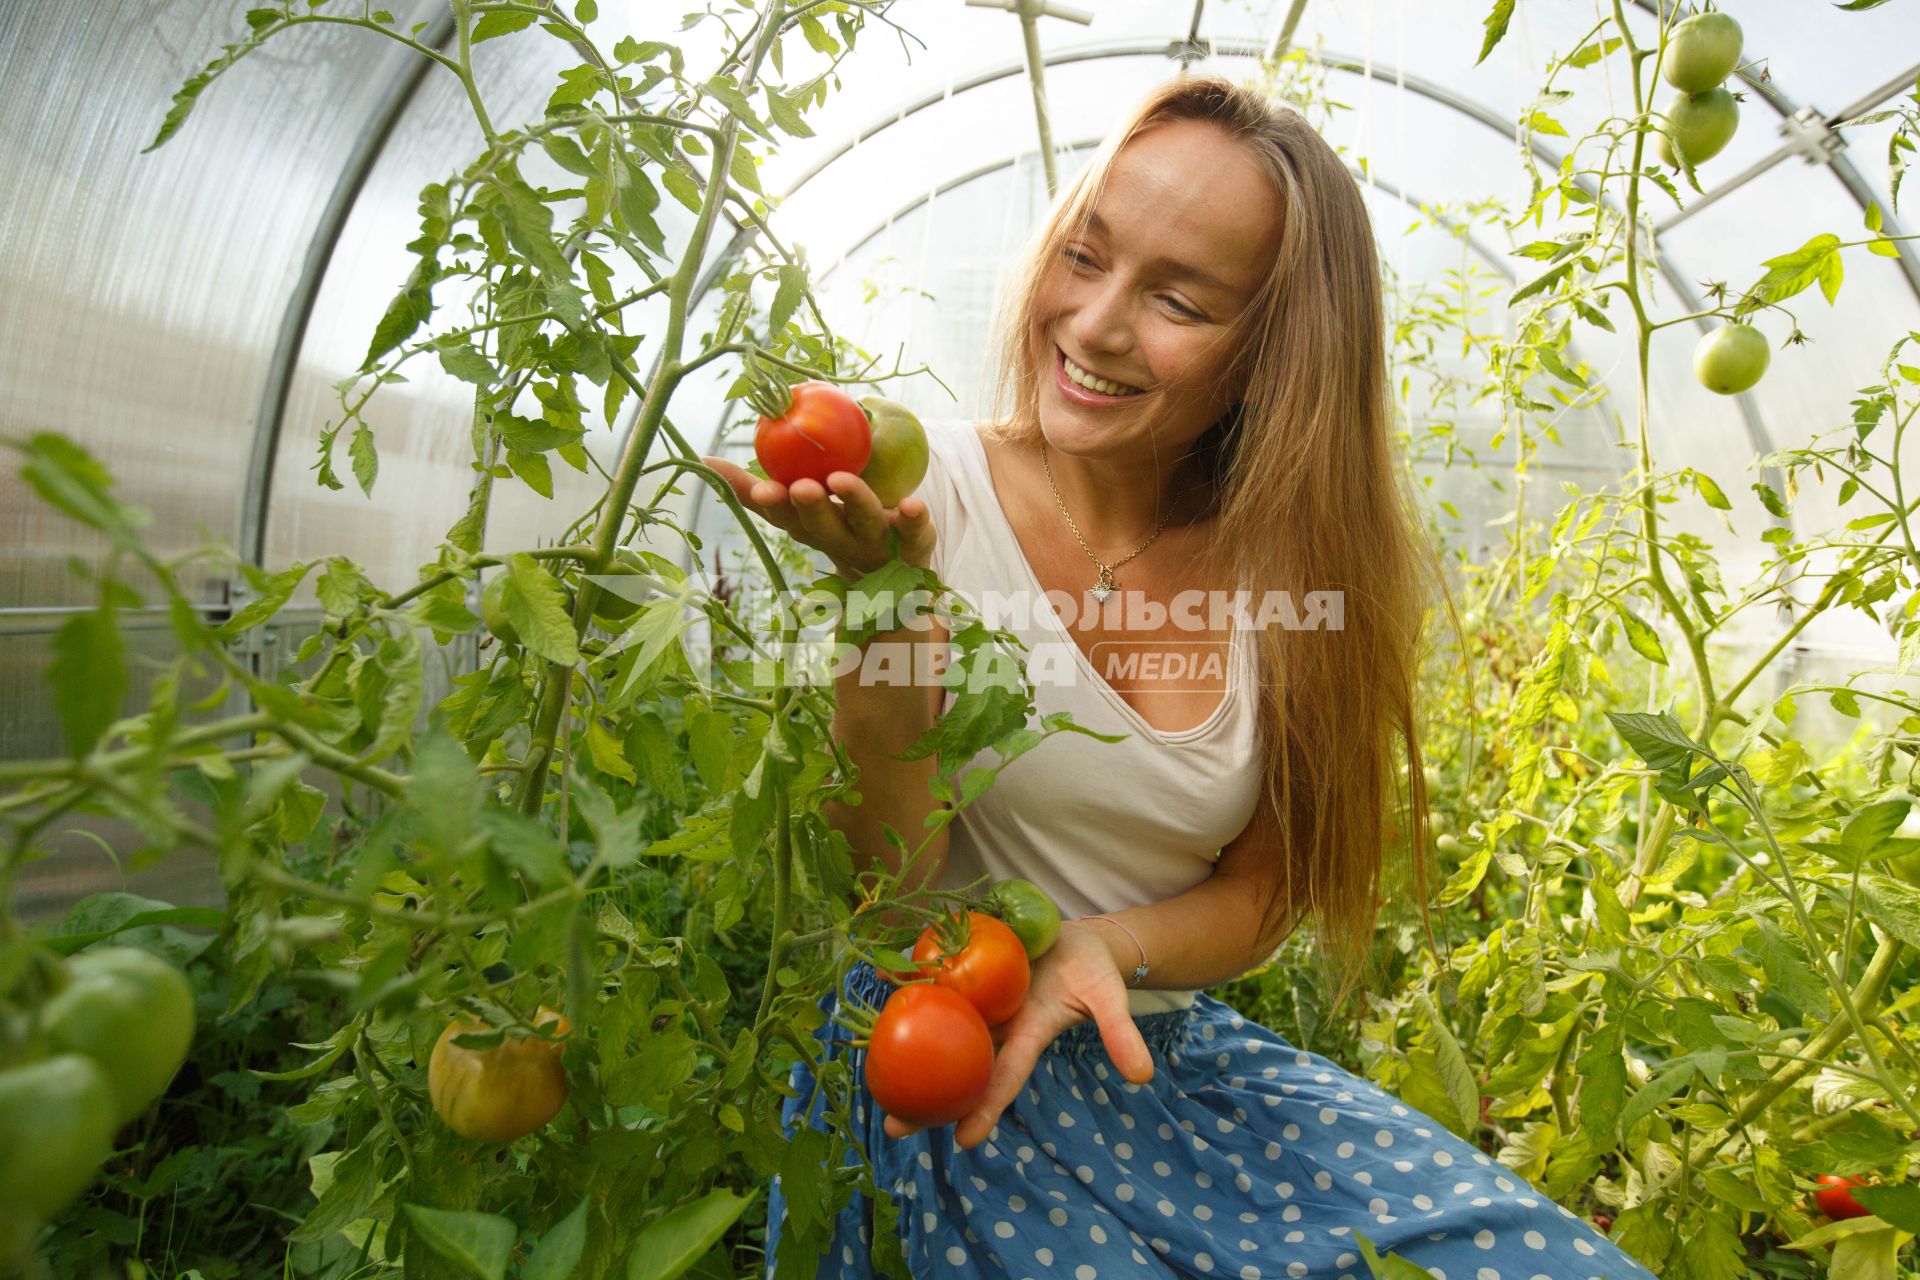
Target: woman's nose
<point>1104,319</point>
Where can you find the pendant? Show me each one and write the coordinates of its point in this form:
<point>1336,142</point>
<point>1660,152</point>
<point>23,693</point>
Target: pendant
<point>1103,588</point>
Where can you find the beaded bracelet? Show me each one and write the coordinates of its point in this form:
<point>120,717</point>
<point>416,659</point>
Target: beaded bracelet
<point>1140,972</point>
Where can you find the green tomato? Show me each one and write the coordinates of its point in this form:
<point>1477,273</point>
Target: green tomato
<point>56,1126</point>
<point>1450,845</point>
<point>612,608</point>
<point>129,1011</point>
<point>1029,912</point>
<point>1701,124</point>
<point>493,610</point>
<point>1701,52</point>
<point>898,462</point>
<point>1731,358</point>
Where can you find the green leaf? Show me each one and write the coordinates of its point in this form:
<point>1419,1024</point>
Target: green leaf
<point>1392,1266</point>
<point>271,595</point>
<point>1545,280</point>
<point>1647,1099</point>
<point>673,1243</point>
<point>533,435</point>
<point>1711,492</point>
<point>793,285</point>
<point>409,310</point>
<point>1896,1203</point>
<point>567,154</point>
<point>1789,971</point>
<point>533,469</point>
<point>537,605</point>
<point>1790,273</point>
<point>1496,25</point>
<point>1641,635</point>
<point>1657,739</point>
<point>558,1252</point>
<point>609,757</point>
<point>465,362</point>
<point>1867,828</point>
<point>65,475</point>
<point>1714,1252</point>
<point>1894,906</point>
<point>478,1243</point>
<point>89,676</point>
<point>350,1190</point>
<point>682,187</point>
<point>366,461</point>
<point>1603,1080</point>
<point>501,24</point>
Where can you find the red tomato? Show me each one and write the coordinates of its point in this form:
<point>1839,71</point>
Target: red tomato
<point>929,1056</point>
<point>822,431</point>
<point>1604,1221</point>
<point>991,971</point>
<point>1835,1200</point>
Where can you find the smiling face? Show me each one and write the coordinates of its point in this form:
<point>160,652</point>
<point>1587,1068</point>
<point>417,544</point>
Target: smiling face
<point>1177,245</point>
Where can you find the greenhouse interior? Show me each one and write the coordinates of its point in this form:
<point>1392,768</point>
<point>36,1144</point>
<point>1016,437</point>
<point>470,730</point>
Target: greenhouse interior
<point>560,712</point>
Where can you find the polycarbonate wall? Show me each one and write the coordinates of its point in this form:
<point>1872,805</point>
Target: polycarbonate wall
<point>146,296</point>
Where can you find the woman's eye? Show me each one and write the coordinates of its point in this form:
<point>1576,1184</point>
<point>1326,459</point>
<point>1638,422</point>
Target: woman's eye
<point>1076,257</point>
<point>1183,309</point>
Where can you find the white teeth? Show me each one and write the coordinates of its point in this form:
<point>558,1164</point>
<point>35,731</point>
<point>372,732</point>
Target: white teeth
<point>1080,377</point>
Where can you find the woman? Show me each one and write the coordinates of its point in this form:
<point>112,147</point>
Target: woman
<point>1195,389</point>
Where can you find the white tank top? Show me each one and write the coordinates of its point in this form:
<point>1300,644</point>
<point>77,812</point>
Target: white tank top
<point>1101,826</point>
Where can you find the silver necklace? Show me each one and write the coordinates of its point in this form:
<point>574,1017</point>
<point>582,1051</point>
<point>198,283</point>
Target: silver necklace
<point>1103,586</point>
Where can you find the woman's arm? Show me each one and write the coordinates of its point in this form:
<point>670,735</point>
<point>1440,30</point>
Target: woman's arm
<point>876,722</point>
<point>1213,932</point>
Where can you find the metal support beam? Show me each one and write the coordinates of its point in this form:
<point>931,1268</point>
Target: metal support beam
<point>271,419</point>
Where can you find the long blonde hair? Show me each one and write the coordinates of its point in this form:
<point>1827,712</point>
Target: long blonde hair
<point>1302,481</point>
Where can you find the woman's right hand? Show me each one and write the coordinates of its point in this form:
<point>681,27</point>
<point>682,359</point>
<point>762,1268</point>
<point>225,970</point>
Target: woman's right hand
<point>852,532</point>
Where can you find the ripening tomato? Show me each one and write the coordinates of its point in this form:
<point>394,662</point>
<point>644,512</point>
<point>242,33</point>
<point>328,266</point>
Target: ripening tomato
<point>990,969</point>
<point>1029,912</point>
<point>131,1012</point>
<point>822,431</point>
<point>1834,1198</point>
<point>502,1093</point>
<point>899,460</point>
<point>929,1056</point>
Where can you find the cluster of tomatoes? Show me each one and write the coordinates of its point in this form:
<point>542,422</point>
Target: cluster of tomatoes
<point>1701,53</point>
<point>103,1046</point>
<point>822,429</point>
<point>930,1049</point>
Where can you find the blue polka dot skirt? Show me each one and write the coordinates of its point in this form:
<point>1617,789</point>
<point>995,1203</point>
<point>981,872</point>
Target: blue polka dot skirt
<point>1243,1157</point>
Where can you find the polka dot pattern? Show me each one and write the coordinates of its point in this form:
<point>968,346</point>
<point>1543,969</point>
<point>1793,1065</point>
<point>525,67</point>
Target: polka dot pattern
<point>1243,1157</point>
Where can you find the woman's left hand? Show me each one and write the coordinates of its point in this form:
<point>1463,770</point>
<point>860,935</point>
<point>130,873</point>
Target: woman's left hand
<point>1076,980</point>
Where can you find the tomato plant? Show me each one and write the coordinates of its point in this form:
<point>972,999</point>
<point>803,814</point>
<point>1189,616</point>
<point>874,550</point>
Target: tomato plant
<point>978,957</point>
<point>1029,912</point>
<point>819,431</point>
<point>129,1011</point>
<point>898,461</point>
<point>929,1055</point>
